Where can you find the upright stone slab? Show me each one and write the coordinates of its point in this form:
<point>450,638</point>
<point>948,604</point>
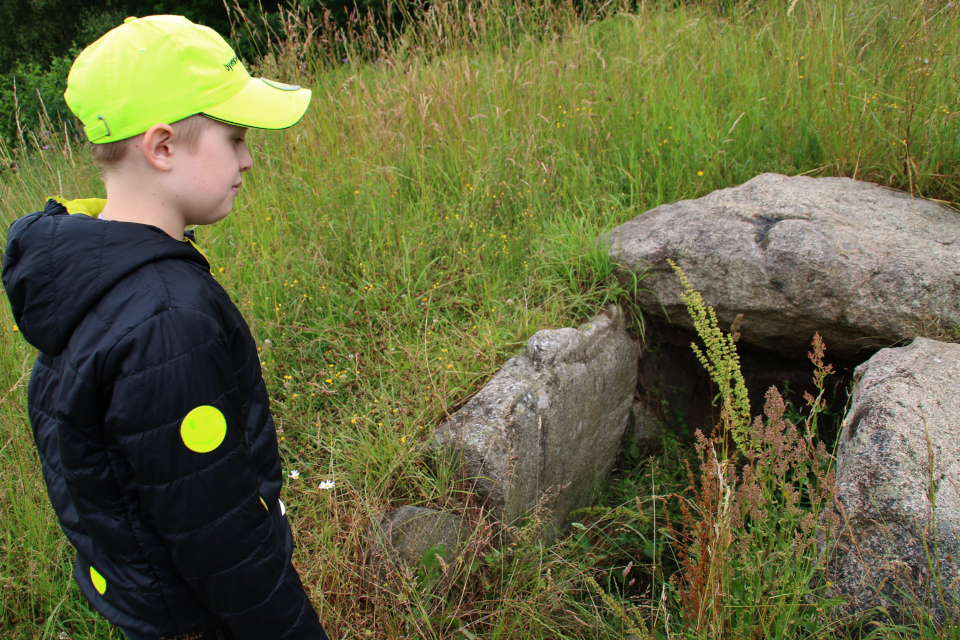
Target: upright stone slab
<point>898,452</point>
<point>548,426</point>
<point>863,265</point>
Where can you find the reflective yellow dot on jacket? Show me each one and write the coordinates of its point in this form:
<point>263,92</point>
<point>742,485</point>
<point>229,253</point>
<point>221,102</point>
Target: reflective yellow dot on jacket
<point>99,583</point>
<point>203,429</point>
<point>264,504</point>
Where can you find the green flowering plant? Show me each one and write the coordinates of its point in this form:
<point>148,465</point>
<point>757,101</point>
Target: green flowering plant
<point>719,357</point>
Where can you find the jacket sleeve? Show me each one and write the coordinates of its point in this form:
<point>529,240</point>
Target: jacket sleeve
<point>177,413</point>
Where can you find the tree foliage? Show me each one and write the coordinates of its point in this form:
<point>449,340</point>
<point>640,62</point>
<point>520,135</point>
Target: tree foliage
<point>41,38</point>
<point>37,31</point>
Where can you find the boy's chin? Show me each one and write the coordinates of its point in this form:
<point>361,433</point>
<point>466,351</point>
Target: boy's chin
<point>212,218</point>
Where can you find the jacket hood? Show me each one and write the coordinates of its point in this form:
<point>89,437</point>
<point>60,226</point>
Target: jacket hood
<point>60,261</point>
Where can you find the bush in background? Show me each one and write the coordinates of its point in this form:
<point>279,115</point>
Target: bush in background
<point>37,31</point>
<point>30,92</point>
<point>42,38</point>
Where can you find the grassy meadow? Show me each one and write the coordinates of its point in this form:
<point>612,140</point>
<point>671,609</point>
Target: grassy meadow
<point>439,204</point>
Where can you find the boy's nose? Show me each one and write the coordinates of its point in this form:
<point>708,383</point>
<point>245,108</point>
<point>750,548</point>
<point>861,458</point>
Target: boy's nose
<point>246,160</point>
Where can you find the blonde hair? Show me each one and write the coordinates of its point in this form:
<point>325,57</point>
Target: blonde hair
<point>108,155</point>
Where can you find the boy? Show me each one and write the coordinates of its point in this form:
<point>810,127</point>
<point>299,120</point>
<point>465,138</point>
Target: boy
<point>146,400</point>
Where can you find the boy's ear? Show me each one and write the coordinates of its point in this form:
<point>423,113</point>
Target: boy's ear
<point>158,146</point>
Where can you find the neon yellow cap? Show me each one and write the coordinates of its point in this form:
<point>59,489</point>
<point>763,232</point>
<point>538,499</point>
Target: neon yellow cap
<point>164,69</point>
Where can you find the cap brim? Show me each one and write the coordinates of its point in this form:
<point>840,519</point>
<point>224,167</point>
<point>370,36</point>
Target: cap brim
<point>263,104</point>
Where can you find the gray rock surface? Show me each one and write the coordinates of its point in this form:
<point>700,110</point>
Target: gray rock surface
<point>861,264</point>
<point>549,424</point>
<point>644,428</point>
<point>899,446</point>
<point>408,533</point>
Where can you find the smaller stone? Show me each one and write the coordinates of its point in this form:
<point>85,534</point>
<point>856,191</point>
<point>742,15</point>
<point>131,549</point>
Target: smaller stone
<point>408,533</point>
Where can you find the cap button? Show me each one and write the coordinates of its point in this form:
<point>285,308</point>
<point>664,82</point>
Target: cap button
<point>130,19</point>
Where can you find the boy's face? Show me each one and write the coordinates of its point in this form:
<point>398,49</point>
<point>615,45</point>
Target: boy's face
<point>208,178</point>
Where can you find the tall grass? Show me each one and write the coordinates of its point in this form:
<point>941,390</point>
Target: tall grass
<point>438,205</point>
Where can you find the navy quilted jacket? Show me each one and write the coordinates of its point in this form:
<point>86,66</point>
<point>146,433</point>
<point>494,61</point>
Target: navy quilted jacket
<point>154,431</point>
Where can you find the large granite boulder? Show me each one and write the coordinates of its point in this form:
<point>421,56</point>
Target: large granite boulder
<point>548,425</point>
<point>863,265</point>
<point>898,483</point>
